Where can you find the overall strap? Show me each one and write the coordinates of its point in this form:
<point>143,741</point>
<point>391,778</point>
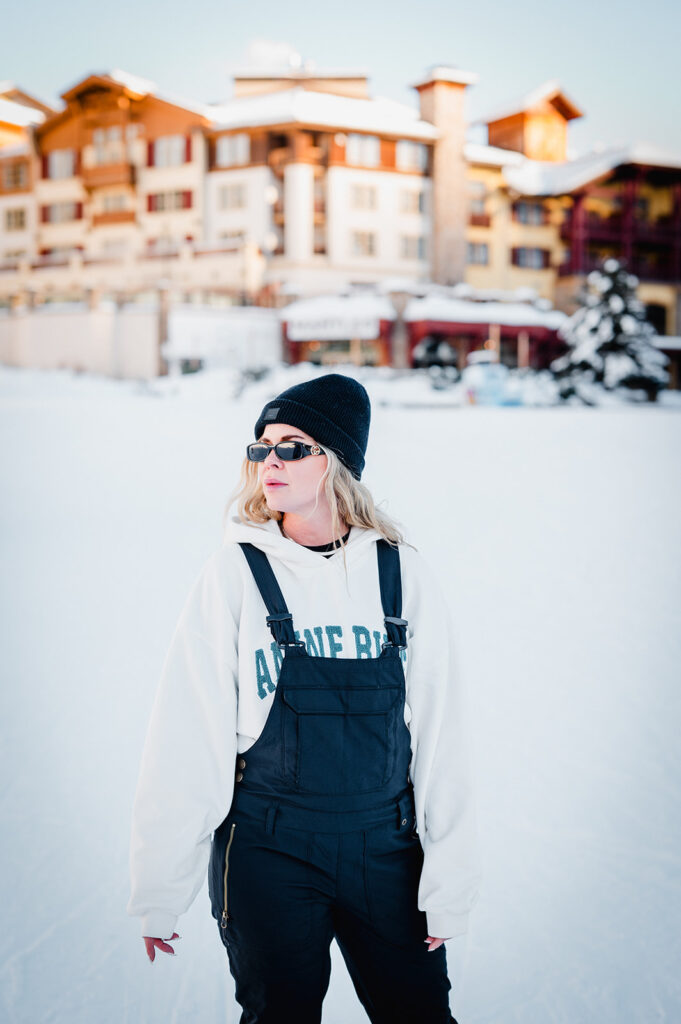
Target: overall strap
<point>279,619</point>
<point>390,580</point>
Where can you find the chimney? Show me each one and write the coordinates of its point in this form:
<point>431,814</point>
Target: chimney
<point>441,101</point>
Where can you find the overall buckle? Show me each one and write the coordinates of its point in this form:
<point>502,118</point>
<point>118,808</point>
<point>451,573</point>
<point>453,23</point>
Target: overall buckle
<point>397,632</point>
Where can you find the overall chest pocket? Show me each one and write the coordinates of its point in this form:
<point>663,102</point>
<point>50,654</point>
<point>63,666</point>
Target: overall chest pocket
<point>340,741</point>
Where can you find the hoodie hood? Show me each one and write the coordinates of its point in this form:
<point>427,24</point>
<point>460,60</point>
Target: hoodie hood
<point>268,537</point>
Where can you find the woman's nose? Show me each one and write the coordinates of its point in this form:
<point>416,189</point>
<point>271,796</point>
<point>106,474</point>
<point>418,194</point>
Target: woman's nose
<point>272,457</point>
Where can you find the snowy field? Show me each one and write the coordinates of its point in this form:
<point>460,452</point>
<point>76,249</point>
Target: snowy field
<point>556,534</point>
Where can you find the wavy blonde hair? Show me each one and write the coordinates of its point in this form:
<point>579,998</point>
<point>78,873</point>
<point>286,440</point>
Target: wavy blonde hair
<point>349,500</point>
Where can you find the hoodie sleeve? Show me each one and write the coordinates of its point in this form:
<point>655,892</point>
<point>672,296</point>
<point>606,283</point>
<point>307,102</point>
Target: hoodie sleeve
<point>187,772</point>
<point>440,770</point>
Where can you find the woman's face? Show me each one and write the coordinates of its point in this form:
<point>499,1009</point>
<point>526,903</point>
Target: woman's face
<point>290,486</point>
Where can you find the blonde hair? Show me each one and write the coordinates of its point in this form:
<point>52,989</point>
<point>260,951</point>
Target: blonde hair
<point>349,500</point>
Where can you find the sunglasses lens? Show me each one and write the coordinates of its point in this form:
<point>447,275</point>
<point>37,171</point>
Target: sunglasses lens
<point>257,452</point>
<point>288,450</point>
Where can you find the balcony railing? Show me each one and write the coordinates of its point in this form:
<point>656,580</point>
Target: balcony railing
<point>644,270</point>
<point>612,228</point>
<point>108,174</point>
<point>113,217</point>
<point>479,220</point>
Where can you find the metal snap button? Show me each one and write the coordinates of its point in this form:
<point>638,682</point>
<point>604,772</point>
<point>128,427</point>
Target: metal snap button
<point>404,821</point>
<point>242,763</point>
<point>239,776</point>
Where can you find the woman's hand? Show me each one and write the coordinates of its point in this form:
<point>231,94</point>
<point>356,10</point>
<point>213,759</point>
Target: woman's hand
<point>152,943</point>
<point>433,943</point>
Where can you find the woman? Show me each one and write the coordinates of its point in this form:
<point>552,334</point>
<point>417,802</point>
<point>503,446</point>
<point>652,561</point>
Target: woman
<point>307,739</point>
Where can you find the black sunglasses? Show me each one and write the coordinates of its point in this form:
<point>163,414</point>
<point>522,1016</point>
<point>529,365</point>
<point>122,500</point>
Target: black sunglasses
<point>287,451</point>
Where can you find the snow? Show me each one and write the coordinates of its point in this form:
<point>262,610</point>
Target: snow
<point>546,178</point>
<point>19,114</point>
<point>543,93</point>
<point>441,308</point>
<point>492,156</point>
<point>306,106</point>
<point>555,535</point>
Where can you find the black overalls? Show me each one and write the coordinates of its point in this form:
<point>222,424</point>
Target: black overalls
<point>320,839</point>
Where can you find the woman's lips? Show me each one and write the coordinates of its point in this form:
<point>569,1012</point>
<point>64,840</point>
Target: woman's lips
<point>274,483</point>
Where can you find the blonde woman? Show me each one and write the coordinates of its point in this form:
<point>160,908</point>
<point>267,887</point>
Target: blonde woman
<point>306,743</point>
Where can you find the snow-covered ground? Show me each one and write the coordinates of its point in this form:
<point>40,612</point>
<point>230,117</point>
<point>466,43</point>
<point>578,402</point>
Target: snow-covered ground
<point>556,534</point>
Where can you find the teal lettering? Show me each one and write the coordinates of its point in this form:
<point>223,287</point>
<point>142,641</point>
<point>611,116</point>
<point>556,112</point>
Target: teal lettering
<point>334,646</point>
<point>262,674</point>
<point>377,643</point>
<point>316,650</point>
<point>362,641</point>
<point>277,656</point>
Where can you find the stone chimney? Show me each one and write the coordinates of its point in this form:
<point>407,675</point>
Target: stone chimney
<point>441,101</point>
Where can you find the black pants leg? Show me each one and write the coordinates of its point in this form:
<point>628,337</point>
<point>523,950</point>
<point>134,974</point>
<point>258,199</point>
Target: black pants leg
<point>381,931</point>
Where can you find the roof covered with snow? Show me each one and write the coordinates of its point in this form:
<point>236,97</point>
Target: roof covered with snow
<point>305,106</point>
<point>19,115</point>
<point>547,92</point>
<point>443,309</point>
<point>538,177</point>
<point>492,156</point>
<point>141,87</point>
<point>336,317</point>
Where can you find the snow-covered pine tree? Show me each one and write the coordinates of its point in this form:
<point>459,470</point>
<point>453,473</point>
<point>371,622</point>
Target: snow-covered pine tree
<point>610,342</point>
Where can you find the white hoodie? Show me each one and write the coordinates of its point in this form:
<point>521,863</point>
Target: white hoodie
<point>216,690</point>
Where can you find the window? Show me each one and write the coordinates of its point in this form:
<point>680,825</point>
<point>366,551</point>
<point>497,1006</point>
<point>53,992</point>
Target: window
<point>528,213</point>
<point>477,191</point>
<point>413,247</point>
<point>170,151</point>
<point>15,175</point>
<point>530,258</point>
<point>412,200</point>
<point>411,156</point>
<point>15,219</point>
<point>363,197</point>
<point>163,201</point>
<point>114,201</point>
<point>60,213</point>
<point>363,243</point>
<point>233,197</point>
<point>61,163</point>
<point>232,149</point>
<point>108,145</point>
<point>477,254</point>
<point>364,150</point>
<point>233,236</point>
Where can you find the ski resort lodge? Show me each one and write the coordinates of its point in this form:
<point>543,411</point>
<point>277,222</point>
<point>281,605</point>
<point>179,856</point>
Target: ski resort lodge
<point>303,185</point>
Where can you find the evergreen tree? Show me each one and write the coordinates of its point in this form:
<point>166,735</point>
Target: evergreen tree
<point>610,341</point>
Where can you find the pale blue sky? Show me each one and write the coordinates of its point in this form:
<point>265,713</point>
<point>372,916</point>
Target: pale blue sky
<point>618,61</point>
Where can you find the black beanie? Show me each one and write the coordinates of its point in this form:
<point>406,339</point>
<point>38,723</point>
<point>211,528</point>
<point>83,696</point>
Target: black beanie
<point>333,409</point>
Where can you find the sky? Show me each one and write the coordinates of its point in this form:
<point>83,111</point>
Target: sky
<point>617,62</point>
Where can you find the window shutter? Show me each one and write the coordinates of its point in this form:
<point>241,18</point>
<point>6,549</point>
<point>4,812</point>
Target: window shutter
<point>150,154</point>
<point>545,215</point>
<point>79,211</point>
<point>186,200</point>
<point>151,204</point>
<point>45,171</point>
<point>44,212</point>
<point>76,162</point>
<point>188,149</point>
<point>515,257</point>
<point>546,257</point>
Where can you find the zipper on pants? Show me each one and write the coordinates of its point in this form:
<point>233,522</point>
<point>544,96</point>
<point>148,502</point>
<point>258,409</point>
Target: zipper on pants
<point>225,915</point>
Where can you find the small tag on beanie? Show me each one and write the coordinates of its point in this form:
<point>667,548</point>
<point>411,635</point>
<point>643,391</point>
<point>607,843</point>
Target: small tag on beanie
<point>272,412</point>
